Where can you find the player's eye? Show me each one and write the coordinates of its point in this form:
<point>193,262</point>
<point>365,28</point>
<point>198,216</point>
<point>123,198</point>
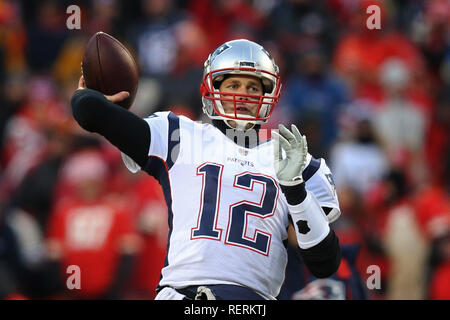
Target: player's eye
<point>232,87</point>
<point>254,89</point>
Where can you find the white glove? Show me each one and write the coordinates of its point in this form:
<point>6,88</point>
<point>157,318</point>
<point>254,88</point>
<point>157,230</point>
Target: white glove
<point>289,170</point>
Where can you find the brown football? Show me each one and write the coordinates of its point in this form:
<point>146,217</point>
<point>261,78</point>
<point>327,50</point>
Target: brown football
<point>109,67</point>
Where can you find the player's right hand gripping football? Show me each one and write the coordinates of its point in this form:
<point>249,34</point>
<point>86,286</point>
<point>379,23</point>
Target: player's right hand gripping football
<point>289,169</point>
<point>122,95</point>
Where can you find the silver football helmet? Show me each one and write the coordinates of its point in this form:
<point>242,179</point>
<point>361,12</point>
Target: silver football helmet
<point>240,57</point>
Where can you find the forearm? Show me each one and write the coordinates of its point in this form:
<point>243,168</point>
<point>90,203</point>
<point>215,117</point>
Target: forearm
<point>128,132</point>
<point>323,259</point>
<point>318,244</point>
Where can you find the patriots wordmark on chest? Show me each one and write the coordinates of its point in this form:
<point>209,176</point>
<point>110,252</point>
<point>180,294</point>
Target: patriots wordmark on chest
<point>241,161</point>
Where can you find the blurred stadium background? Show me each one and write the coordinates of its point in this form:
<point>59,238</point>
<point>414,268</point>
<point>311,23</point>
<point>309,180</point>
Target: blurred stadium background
<point>374,103</point>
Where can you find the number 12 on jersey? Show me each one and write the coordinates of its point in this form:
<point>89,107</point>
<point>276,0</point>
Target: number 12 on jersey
<point>238,212</point>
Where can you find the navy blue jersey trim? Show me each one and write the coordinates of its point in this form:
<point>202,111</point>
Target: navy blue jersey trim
<point>158,169</point>
<point>311,169</point>
<point>173,149</point>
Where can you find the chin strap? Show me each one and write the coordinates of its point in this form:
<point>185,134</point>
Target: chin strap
<point>240,124</point>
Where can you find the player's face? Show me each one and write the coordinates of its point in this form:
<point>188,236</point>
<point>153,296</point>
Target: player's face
<point>245,85</point>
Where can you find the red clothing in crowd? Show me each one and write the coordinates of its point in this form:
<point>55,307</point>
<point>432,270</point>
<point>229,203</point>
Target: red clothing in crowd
<point>90,236</point>
<point>153,228</point>
<point>433,211</point>
<point>439,286</point>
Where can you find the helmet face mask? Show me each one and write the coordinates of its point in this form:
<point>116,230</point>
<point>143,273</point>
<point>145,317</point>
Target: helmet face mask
<point>240,57</point>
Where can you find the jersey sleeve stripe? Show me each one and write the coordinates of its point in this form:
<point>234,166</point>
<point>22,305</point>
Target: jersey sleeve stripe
<point>311,169</point>
<point>173,139</point>
<point>157,168</point>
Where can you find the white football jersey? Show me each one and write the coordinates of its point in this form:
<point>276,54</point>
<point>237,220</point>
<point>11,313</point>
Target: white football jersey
<point>228,217</point>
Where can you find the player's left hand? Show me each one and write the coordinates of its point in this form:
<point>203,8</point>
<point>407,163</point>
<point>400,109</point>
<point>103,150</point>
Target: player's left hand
<point>289,170</point>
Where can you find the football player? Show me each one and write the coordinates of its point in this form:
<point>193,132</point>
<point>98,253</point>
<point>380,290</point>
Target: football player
<point>230,195</point>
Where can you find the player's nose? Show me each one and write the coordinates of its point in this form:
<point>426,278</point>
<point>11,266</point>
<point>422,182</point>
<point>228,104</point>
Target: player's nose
<point>242,91</point>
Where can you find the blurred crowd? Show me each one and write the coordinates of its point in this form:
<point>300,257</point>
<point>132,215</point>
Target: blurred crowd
<point>375,104</point>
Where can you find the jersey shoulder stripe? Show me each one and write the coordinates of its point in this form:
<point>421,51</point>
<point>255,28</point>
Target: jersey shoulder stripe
<point>311,169</point>
<point>173,143</point>
<point>319,180</point>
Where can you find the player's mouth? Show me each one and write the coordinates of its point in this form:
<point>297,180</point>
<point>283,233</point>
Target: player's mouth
<point>241,108</point>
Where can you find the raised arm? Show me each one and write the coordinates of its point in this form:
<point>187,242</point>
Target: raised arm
<point>97,113</point>
<point>318,244</point>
